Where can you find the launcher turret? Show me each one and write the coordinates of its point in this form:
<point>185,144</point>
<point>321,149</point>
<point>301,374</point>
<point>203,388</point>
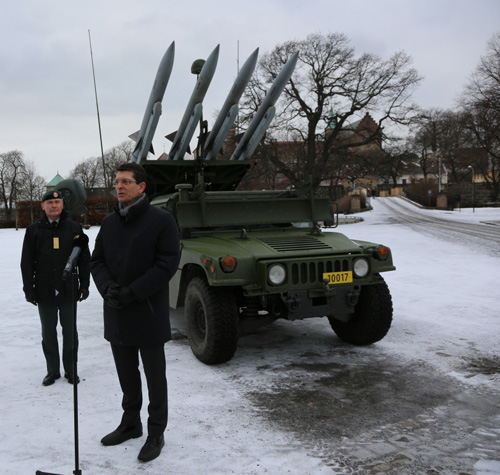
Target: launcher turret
<point>182,167</point>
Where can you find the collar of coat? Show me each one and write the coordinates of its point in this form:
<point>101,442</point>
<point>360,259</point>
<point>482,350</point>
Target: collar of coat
<point>47,223</point>
<point>128,213</point>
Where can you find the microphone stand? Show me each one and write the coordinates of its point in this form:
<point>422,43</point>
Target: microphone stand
<point>74,285</point>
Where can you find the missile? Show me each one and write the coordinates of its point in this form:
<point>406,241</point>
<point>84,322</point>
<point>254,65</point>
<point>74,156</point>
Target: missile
<point>265,113</point>
<point>144,137</point>
<point>194,108</point>
<point>229,111</point>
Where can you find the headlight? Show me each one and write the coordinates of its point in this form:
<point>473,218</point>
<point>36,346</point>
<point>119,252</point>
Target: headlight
<point>276,274</point>
<point>361,267</point>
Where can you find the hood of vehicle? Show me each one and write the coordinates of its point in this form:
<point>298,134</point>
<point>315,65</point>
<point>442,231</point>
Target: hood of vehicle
<point>273,245</point>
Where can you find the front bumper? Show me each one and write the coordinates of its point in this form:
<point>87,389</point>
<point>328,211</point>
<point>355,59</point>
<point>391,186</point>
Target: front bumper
<point>339,301</point>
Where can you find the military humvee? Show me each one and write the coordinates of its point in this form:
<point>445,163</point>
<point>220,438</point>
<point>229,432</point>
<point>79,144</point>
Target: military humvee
<point>251,257</point>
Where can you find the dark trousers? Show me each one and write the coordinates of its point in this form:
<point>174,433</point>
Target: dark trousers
<point>127,367</point>
<point>49,316</point>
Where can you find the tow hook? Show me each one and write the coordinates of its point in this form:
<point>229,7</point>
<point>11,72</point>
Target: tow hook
<point>352,297</point>
<point>293,303</point>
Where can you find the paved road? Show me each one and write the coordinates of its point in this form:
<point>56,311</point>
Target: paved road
<point>485,234</point>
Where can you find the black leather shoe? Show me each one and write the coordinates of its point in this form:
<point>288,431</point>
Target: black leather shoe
<point>151,449</point>
<point>50,379</point>
<point>69,377</point>
<point>121,434</point>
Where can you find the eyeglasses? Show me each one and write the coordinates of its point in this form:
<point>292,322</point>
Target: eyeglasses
<point>124,182</point>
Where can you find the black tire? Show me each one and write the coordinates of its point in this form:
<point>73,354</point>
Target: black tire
<point>212,322</point>
<point>372,318</point>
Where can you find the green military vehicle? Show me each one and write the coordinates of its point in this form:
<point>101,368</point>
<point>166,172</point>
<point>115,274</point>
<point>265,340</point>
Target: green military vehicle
<point>251,257</point>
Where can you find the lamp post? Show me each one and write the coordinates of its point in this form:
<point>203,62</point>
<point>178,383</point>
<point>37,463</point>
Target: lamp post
<point>473,187</point>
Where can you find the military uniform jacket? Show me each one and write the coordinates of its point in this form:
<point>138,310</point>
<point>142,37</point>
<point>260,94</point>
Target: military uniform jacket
<point>46,249</point>
<point>139,251</point>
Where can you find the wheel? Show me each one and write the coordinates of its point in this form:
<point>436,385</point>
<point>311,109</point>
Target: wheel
<point>212,322</point>
<point>371,320</point>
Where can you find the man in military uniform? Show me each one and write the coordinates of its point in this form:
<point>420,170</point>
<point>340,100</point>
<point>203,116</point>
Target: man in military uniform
<point>46,248</point>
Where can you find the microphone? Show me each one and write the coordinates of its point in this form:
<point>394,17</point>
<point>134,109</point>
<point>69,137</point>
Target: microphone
<point>80,241</point>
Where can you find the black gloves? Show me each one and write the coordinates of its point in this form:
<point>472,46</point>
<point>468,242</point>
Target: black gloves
<point>125,296</point>
<point>83,294</point>
<point>118,297</point>
<point>31,298</point>
<point>111,295</point>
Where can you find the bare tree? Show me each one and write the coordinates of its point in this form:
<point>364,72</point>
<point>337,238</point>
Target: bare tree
<point>11,168</point>
<point>113,158</point>
<point>125,149</point>
<point>32,186</point>
<point>484,84</point>
<point>481,105</point>
<point>92,173</point>
<point>442,137</point>
<point>330,88</point>
<point>395,158</point>
<point>87,173</point>
<point>424,141</point>
<point>453,140</point>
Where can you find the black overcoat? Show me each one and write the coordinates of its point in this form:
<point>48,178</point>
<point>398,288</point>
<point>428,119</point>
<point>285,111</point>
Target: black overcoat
<point>140,251</point>
<point>46,249</point>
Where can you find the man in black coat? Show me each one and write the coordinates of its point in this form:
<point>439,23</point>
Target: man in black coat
<point>46,248</point>
<point>136,254</point>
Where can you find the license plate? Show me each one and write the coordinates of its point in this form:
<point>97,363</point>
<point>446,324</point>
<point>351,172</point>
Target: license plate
<point>338,277</point>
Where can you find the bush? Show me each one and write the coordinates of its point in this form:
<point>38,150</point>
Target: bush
<point>96,210</point>
<point>8,223</point>
<point>25,209</point>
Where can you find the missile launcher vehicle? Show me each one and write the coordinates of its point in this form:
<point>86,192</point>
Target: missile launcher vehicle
<point>249,258</point>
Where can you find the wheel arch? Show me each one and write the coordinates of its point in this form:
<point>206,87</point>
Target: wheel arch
<point>188,272</point>
<point>211,322</point>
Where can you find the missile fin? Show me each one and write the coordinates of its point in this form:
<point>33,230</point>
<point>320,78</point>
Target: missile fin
<point>150,131</point>
<point>260,131</point>
<point>183,143</point>
<point>221,136</point>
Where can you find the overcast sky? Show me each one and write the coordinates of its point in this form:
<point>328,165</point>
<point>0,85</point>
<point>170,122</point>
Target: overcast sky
<point>47,102</point>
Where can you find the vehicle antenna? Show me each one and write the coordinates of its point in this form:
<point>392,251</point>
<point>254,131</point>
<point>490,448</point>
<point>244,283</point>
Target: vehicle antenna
<point>237,72</point>
<point>99,124</point>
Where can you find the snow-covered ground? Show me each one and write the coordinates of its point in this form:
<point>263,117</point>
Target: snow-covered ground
<point>445,298</point>
<point>443,290</point>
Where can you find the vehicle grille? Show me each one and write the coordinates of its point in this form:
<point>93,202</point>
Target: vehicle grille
<point>304,274</point>
<point>297,243</point>
<point>311,272</point>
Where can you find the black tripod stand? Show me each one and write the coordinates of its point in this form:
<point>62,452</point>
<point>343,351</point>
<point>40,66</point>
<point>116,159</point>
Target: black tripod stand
<point>74,287</point>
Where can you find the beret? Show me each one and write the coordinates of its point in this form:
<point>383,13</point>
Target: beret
<point>51,195</point>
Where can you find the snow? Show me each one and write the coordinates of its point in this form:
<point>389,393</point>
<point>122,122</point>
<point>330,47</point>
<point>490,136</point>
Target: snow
<point>443,292</point>
<point>445,298</point>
